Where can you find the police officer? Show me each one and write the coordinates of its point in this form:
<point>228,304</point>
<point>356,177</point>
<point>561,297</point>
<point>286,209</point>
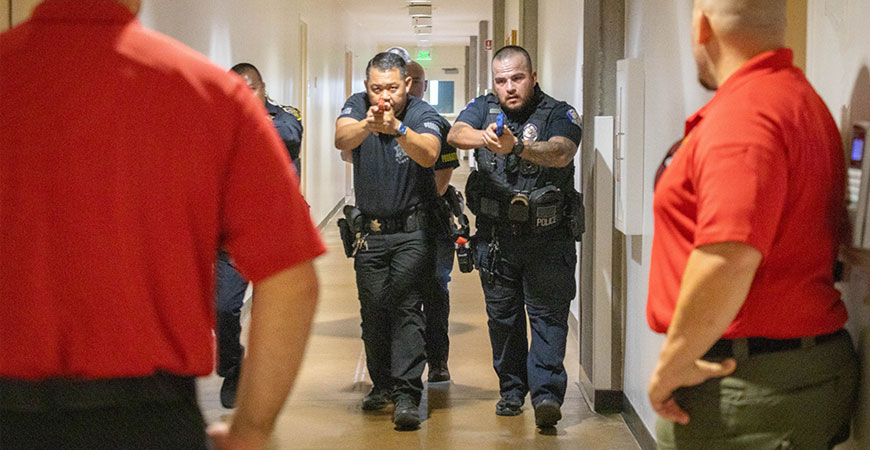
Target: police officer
<point>395,140</point>
<point>437,304</point>
<point>287,119</point>
<point>522,194</point>
<point>231,285</point>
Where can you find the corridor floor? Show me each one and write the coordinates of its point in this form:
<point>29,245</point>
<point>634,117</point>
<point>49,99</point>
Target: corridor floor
<point>324,409</point>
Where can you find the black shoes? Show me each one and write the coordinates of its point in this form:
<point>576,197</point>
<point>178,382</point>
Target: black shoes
<point>547,413</point>
<point>376,399</point>
<point>438,372</point>
<point>407,414</point>
<point>509,406</point>
<point>229,387</point>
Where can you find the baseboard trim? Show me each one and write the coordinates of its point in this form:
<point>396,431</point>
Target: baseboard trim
<point>636,426</point>
<point>331,215</point>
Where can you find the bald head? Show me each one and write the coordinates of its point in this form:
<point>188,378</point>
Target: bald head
<point>418,79</point>
<point>760,21</point>
<point>727,33</point>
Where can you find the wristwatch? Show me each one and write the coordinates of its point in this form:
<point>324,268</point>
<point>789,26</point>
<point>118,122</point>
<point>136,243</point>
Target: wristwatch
<point>518,148</point>
<point>403,129</point>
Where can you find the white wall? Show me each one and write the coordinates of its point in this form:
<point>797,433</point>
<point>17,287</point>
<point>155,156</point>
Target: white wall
<point>266,34</point>
<point>659,34</point>
<point>838,66</point>
<point>560,66</point>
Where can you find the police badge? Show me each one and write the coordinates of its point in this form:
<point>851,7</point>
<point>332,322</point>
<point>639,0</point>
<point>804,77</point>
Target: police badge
<point>530,133</point>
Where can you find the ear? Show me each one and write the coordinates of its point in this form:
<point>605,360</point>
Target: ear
<point>366,83</point>
<point>705,29</point>
<point>408,82</point>
<point>534,78</point>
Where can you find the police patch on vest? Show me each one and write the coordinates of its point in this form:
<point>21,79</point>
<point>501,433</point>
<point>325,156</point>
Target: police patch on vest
<point>401,156</point>
<point>494,110</point>
<point>530,132</point>
<point>575,118</point>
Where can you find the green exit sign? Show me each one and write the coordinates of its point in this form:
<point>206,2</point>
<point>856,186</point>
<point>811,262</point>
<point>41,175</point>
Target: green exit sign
<point>424,55</point>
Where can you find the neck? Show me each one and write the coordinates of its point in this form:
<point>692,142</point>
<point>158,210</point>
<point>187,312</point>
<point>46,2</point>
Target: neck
<point>733,59</point>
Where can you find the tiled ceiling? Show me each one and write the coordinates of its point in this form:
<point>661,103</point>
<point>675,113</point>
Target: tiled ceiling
<point>453,21</point>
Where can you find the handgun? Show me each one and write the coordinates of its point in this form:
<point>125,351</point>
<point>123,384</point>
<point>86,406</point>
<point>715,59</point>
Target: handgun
<point>499,124</point>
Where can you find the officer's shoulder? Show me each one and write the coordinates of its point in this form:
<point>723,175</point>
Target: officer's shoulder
<point>295,111</point>
<point>480,102</point>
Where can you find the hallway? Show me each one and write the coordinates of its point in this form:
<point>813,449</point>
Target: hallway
<point>324,409</point>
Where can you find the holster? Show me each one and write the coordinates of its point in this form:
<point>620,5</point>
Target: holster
<point>349,228</point>
<point>347,236</point>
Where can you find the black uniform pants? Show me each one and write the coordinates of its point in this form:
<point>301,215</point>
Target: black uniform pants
<point>229,296</point>
<point>147,413</point>
<point>437,305</point>
<point>392,275</point>
<point>532,274</point>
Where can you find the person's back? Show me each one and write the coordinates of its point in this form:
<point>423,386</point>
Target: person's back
<point>125,160</point>
<point>780,116</point>
<point>103,227</point>
<point>799,268</point>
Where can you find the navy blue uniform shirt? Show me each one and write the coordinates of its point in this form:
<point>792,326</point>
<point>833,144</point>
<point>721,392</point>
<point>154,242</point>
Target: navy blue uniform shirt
<point>288,123</point>
<point>386,180</point>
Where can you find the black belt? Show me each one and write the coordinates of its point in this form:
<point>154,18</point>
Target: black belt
<point>728,348</point>
<point>63,393</point>
<point>408,222</point>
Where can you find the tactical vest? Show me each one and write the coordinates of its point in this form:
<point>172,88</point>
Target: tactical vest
<point>529,175</point>
<point>528,197</point>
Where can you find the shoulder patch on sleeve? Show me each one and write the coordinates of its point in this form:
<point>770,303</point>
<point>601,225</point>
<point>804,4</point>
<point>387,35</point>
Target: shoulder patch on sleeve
<point>347,110</point>
<point>575,118</point>
<point>432,126</point>
<point>296,113</point>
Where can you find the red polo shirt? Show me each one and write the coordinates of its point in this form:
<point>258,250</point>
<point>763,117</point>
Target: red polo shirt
<point>761,164</point>
<point>126,159</point>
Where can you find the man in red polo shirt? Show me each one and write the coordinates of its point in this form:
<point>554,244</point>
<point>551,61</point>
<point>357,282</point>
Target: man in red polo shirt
<point>747,226</point>
<point>111,214</point>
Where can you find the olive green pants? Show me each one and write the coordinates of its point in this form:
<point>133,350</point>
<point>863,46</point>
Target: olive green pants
<point>801,399</point>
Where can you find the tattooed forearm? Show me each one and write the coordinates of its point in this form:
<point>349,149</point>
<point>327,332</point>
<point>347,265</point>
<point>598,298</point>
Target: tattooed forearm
<point>557,152</point>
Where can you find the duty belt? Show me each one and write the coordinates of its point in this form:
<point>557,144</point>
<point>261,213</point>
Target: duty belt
<point>729,348</point>
<point>408,222</point>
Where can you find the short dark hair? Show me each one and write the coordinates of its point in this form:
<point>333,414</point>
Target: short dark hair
<point>511,50</point>
<point>386,62</point>
<point>242,68</point>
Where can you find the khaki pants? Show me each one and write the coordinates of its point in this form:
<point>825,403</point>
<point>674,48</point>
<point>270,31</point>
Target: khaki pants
<point>800,399</point>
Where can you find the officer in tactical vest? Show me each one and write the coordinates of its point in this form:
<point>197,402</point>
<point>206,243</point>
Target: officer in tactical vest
<point>528,218</point>
<point>395,140</point>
